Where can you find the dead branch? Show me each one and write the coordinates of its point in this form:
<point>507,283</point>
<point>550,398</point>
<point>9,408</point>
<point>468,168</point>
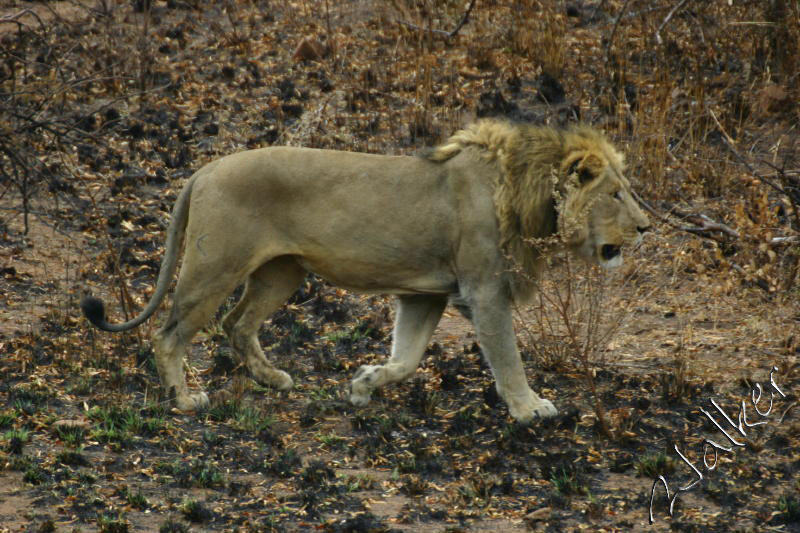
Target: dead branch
<point>666,20</point>
<point>475,76</point>
<point>703,225</point>
<point>14,19</point>
<point>614,30</point>
<point>760,282</point>
<point>463,19</point>
<point>790,186</point>
<point>440,33</point>
<point>729,144</point>
<point>447,35</point>
<point>777,241</point>
<point>791,193</point>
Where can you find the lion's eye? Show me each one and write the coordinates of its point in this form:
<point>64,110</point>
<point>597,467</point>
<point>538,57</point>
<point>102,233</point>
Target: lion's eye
<point>617,196</point>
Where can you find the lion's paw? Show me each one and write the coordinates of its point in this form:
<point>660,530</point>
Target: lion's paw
<point>268,376</point>
<point>282,381</point>
<point>362,385</point>
<point>192,402</point>
<point>359,399</point>
<point>528,407</point>
<point>545,409</point>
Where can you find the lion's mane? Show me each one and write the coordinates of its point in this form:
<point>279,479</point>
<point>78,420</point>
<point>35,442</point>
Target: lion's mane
<point>533,164</point>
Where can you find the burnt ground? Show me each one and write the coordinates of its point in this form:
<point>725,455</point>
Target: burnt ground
<point>112,108</point>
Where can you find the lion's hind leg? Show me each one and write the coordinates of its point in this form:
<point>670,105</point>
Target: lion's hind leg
<point>415,322</point>
<point>197,296</point>
<point>266,289</point>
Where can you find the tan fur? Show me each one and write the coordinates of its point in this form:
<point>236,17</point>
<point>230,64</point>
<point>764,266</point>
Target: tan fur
<point>423,228</point>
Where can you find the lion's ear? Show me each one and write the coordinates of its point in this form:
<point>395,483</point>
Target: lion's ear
<point>587,168</point>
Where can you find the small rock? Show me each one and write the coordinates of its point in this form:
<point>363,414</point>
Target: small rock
<point>774,98</point>
<point>493,103</point>
<point>550,90</point>
<point>539,515</point>
<point>310,49</point>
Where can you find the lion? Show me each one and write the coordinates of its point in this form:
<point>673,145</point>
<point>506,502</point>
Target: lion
<point>451,223</point>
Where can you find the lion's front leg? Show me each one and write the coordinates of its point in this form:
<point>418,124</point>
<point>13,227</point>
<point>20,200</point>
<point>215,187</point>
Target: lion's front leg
<point>492,318</point>
<point>416,320</point>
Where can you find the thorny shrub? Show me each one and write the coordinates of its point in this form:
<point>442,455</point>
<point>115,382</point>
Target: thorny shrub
<point>47,124</point>
<point>574,313</point>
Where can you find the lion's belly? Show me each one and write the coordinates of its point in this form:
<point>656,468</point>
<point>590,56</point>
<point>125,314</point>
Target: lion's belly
<point>383,278</point>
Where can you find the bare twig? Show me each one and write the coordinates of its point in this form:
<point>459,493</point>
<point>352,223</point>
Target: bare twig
<point>668,18</point>
<point>331,37</point>
<point>777,241</point>
<point>440,33</point>
<point>649,208</point>
<point>729,144</point>
<point>463,20</point>
<point>614,31</point>
<point>703,225</point>
<point>786,411</point>
<point>14,19</point>
<point>761,282</point>
<point>447,35</point>
<point>790,194</point>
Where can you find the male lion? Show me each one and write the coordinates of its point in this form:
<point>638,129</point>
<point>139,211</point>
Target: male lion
<point>447,224</point>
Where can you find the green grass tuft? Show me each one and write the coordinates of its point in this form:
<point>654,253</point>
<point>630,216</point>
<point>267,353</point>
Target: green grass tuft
<point>653,466</point>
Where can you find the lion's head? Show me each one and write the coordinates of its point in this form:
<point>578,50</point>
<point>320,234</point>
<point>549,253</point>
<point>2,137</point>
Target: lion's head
<point>567,184</point>
<point>599,201</point>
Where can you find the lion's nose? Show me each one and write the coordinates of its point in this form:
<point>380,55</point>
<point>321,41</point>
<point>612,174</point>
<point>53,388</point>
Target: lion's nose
<point>643,229</point>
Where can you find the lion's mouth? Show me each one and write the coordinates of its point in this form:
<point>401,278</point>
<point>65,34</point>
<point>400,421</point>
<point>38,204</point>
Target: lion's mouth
<point>610,251</point>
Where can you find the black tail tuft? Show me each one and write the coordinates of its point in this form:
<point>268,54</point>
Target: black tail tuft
<point>94,310</point>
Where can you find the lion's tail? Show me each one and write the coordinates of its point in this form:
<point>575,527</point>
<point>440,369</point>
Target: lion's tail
<point>94,309</point>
